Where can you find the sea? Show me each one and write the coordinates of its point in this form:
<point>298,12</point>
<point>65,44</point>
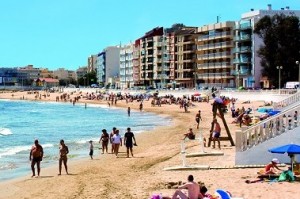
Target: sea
<point>21,122</point>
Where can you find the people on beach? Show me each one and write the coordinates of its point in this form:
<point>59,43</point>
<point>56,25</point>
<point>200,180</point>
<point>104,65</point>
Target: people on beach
<point>198,118</point>
<point>117,142</point>
<point>128,141</point>
<point>190,134</point>
<point>63,156</point>
<point>36,156</point>
<point>192,187</point>
<point>128,111</point>
<point>272,167</point>
<point>216,133</point>
<point>141,106</point>
<point>91,149</point>
<point>111,139</point>
<point>104,140</point>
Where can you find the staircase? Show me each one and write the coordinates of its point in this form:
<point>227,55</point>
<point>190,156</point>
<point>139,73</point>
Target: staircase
<point>263,133</point>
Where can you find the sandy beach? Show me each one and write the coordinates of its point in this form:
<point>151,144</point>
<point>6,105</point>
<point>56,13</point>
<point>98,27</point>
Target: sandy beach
<point>109,177</point>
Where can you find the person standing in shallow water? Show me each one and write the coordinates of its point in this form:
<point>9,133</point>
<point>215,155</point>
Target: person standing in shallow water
<point>111,139</point>
<point>63,156</point>
<point>128,141</point>
<point>128,111</point>
<point>36,156</point>
<point>104,139</point>
<point>117,141</point>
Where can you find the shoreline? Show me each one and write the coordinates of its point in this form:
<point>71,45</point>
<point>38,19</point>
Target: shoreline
<point>81,152</point>
<point>142,176</point>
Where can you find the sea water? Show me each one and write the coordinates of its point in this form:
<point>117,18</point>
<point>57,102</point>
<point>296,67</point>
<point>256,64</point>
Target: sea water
<point>21,122</point>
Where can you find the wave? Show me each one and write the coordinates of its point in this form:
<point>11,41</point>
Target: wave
<point>5,131</point>
<point>18,149</point>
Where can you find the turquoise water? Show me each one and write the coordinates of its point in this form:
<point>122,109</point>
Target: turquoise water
<point>21,122</point>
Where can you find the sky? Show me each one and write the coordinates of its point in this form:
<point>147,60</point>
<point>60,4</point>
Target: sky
<point>63,33</point>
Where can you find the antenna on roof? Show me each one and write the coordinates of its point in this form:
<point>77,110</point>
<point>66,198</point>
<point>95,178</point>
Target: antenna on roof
<point>218,18</point>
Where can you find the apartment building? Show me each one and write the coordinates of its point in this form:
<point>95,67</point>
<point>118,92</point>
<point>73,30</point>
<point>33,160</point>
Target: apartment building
<point>214,55</point>
<point>64,74</point>
<point>45,73</point>
<point>154,58</point>
<point>247,63</point>
<point>126,66</point>
<point>92,63</point>
<point>185,67</point>
<point>108,65</point>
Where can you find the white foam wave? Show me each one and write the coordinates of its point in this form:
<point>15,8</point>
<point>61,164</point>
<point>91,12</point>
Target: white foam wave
<point>5,131</point>
<point>81,141</point>
<point>14,150</point>
<point>18,149</point>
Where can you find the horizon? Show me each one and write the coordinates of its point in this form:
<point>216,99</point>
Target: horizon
<point>64,34</point>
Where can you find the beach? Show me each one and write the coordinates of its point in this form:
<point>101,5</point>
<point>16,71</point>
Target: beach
<point>109,177</point>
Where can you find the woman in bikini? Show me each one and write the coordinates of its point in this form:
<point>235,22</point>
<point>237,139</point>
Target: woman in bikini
<point>104,139</point>
<point>63,158</point>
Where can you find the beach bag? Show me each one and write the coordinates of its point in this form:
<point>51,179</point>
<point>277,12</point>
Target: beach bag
<point>286,176</point>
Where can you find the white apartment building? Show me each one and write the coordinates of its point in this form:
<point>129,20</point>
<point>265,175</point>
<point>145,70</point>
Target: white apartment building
<point>126,66</point>
<point>246,61</point>
<point>108,65</point>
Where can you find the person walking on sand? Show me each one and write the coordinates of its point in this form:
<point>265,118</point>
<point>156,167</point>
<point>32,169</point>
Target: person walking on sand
<point>216,133</point>
<point>117,141</point>
<point>63,156</point>
<point>111,139</point>
<point>128,141</point>
<point>198,118</point>
<point>192,187</point>
<point>141,106</point>
<point>36,156</point>
<point>104,139</point>
<point>91,149</point>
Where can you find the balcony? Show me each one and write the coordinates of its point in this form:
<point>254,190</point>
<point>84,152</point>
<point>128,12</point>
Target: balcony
<point>246,37</point>
<point>215,36</point>
<point>214,65</point>
<point>244,49</point>
<point>243,26</point>
<point>222,75</point>
<point>242,61</point>
<point>214,55</point>
<point>225,44</point>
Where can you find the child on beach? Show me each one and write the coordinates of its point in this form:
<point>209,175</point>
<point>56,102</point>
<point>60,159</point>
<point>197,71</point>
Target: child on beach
<point>91,149</point>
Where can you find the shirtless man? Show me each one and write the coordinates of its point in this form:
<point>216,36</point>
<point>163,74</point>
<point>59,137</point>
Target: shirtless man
<point>63,158</point>
<point>198,118</point>
<point>36,156</point>
<point>216,134</point>
<point>192,187</point>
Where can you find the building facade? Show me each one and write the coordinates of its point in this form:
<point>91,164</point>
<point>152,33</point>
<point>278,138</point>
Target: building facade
<point>108,65</point>
<point>92,63</point>
<point>214,55</point>
<point>126,66</point>
<point>185,63</point>
<point>247,62</point>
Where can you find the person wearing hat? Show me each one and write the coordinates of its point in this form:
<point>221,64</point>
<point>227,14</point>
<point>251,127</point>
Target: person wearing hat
<point>272,167</point>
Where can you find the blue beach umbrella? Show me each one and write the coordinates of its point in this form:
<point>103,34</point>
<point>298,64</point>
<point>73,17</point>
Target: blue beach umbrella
<point>290,149</point>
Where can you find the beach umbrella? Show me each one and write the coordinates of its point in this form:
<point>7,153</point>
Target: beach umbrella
<point>197,94</point>
<point>290,149</point>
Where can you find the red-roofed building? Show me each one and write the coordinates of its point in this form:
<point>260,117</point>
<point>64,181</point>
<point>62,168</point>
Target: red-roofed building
<point>46,82</point>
